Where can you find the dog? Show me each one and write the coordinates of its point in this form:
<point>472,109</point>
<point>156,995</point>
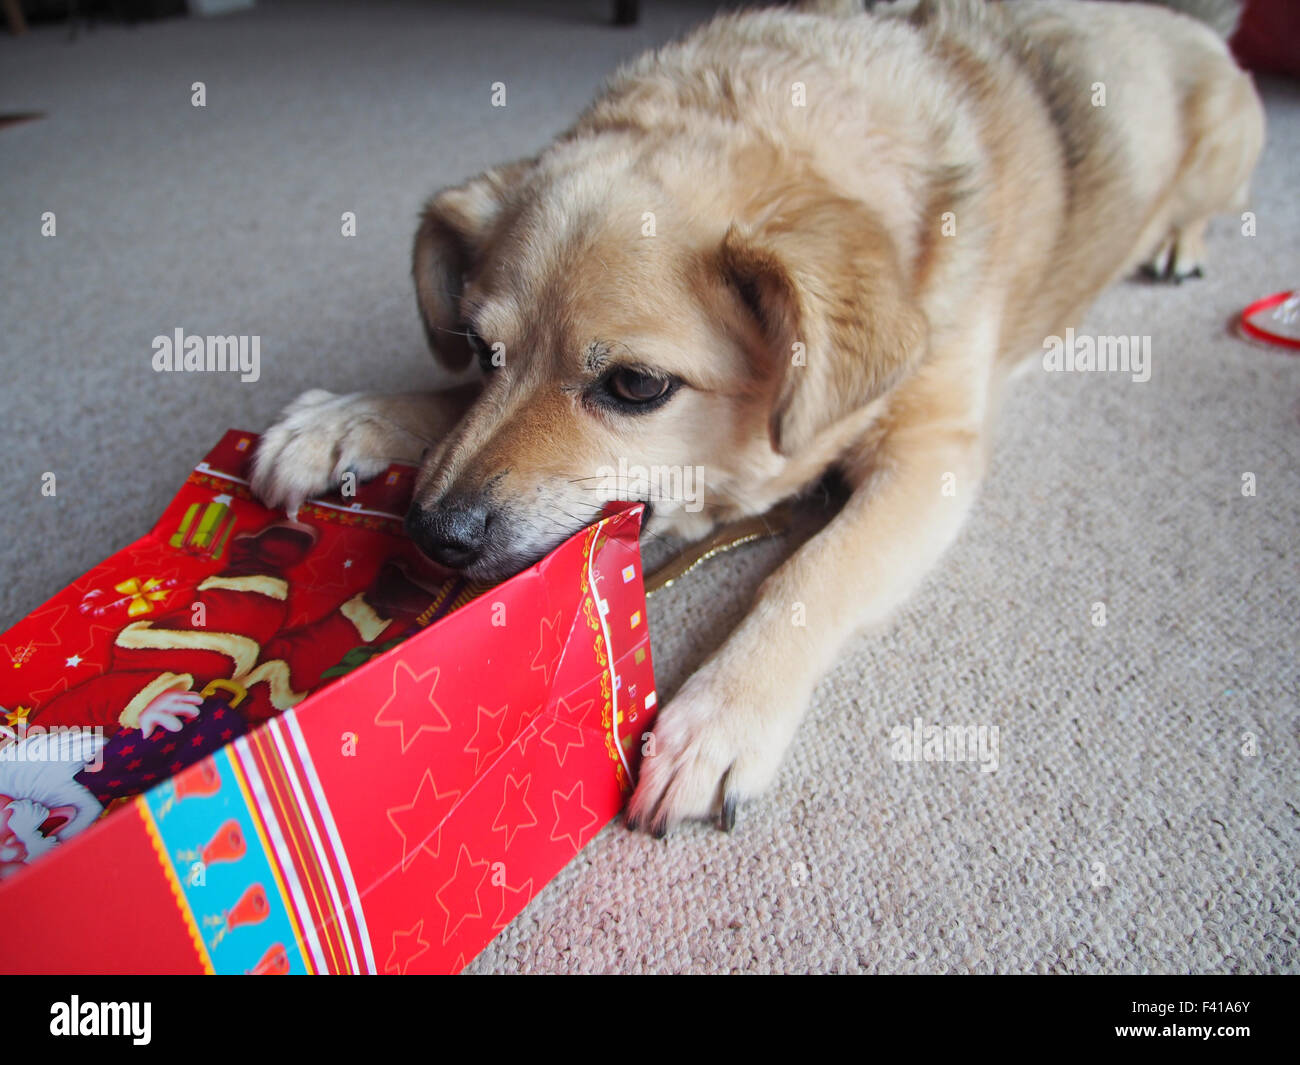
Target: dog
<point>794,242</point>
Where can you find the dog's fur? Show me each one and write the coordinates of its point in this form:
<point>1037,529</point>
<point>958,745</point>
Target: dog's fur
<point>800,283</point>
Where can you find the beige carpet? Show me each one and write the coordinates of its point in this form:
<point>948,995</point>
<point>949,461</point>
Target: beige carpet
<point>1124,829</point>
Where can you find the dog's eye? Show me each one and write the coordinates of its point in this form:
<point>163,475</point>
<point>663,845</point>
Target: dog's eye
<point>633,386</point>
<point>482,351</point>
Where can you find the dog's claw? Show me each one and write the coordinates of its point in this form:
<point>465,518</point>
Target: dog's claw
<point>1164,267</point>
<point>727,821</point>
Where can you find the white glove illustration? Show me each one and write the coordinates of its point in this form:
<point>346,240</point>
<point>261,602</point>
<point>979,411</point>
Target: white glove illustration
<point>168,709</point>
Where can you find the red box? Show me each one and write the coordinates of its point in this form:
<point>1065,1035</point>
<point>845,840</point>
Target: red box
<point>390,761</point>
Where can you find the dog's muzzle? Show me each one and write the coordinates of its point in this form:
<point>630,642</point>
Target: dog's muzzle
<point>455,531</point>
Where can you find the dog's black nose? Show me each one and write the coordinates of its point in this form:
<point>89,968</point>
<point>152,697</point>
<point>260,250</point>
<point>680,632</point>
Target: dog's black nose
<point>451,531</point>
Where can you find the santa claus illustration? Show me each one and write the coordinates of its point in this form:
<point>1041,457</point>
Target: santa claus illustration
<point>41,801</point>
<point>183,684</point>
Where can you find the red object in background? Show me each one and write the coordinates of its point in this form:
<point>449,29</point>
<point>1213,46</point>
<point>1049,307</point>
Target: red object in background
<point>1267,40</point>
<point>375,771</point>
<point>1268,328</point>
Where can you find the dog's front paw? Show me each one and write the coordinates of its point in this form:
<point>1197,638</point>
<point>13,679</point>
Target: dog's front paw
<point>710,751</point>
<point>319,438</point>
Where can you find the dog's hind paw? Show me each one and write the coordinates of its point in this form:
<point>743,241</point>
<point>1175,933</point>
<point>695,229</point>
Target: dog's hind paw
<point>320,438</point>
<point>1179,257</point>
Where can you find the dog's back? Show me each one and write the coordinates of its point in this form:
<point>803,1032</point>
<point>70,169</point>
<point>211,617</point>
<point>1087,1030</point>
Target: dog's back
<point>1155,130</point>
<point>1070,139</point>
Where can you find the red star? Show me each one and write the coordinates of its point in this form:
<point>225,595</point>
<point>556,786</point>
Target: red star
<point>514,795</point>
<point>407,946</point>
<point>549,649</point>
<point>462,891</point>
<point>561,735</point>
<point>409,693</point>
<point>92,651</point>
<point>512,901</point>
<point>20,654</point>
<point>486,740</point>
<point>96,649</point>
<point>581,713</point>
<point>99,638</point>
<point>45,695</point>
<point>528,729</point>
<point>418,820</point>
<point>325,569</point>
<point>570,811</point>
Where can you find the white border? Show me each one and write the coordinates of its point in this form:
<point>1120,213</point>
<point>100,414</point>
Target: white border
<point>243,750</point>
<point>290,721</point>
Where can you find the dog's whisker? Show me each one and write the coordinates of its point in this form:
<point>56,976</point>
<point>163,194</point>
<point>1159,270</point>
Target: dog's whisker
<point>650,497</point>
<point>583,522</point>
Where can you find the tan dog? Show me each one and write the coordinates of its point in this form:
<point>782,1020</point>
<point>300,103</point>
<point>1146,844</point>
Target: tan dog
<point>790,243</point>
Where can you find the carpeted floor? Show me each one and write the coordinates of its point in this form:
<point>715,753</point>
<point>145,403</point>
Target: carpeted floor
<point>1124,829</point>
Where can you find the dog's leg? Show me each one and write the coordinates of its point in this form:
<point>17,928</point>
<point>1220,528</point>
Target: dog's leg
<point>722,738</point>
<point>1226,124</point>
<point>1189,250</point>
<point>320,437</point>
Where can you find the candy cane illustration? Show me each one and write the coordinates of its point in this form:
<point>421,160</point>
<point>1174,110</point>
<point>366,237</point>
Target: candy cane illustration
<point>138,596</point>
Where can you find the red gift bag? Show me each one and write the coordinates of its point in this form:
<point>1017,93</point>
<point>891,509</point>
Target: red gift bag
<point>297,746</point>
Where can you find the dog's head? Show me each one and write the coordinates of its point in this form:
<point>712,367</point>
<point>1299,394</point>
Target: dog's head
<point>646,331</point>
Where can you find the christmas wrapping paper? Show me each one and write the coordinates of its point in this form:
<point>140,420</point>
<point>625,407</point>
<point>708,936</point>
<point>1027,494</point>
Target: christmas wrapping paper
<point>254,744</point>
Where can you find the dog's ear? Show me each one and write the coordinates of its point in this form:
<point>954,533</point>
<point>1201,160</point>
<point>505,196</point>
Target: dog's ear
<point>454,226</point>
<point>824,295</point>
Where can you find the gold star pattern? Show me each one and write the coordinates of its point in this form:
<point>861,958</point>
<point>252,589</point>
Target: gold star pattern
<point>17,715</point>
